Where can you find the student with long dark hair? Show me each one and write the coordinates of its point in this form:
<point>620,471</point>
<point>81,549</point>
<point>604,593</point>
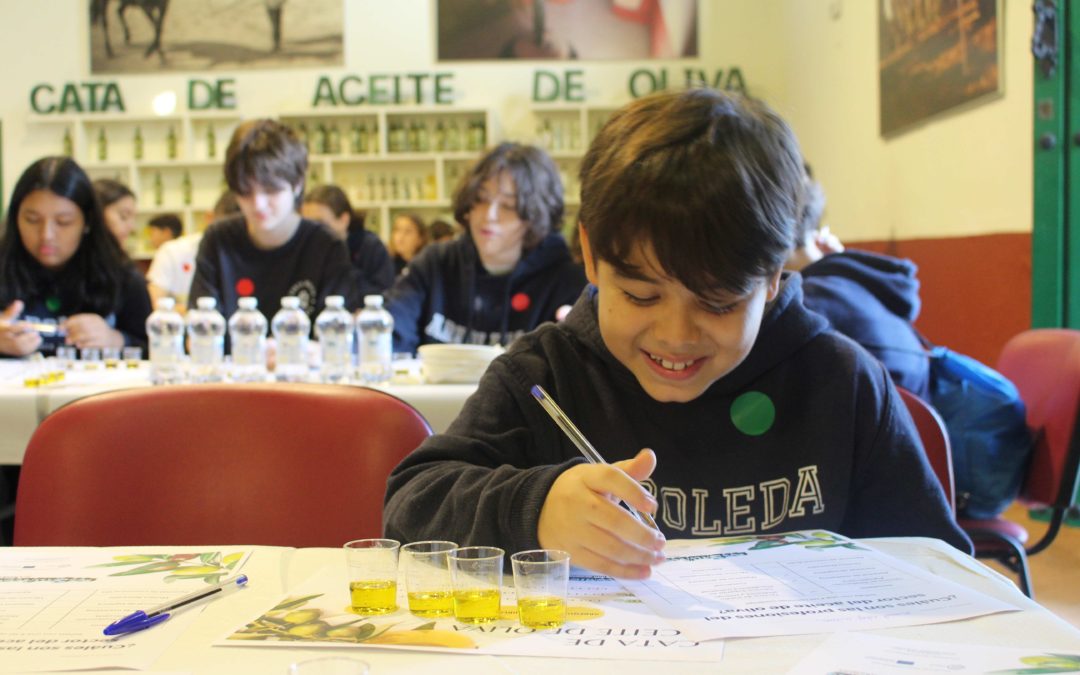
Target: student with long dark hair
<point>60,265</point>
<point>118,207</point>
<point>329,205</point>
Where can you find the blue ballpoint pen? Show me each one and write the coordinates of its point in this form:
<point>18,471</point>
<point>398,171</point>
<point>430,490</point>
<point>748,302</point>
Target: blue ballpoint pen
<point>143,619</point>
<point>580,442</point>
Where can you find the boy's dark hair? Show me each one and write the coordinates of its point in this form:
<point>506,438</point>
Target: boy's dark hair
<point>92,279</point>
<point>812,208</point>
<point>109,191</point>
<point>168,221</point>
<point>335,199</point>
<point>440,229</point>
<point>712,180</point>
<point>536,182</point>
<point>265,152</point>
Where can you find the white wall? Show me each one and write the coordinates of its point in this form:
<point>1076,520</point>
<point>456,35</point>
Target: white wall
<point>968,173</point>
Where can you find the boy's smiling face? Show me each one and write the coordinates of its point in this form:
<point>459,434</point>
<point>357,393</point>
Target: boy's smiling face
<point>676,343</point>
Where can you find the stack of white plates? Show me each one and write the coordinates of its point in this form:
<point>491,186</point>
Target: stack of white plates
<point>456,364</point>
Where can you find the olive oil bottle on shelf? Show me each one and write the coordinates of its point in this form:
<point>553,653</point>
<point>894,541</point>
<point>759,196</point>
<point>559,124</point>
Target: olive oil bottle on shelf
<point>423,141</point>
<point>159,189</point>
<point>185,188</point>
<point>102,145</point>
<point>137,144</point>
<point>170,143</point>
<point>412,137</point>
<point>211,142</point>
<point>302,135</point>
<point>373,138</point>
<point>69,144</point>
<point>333,139</point>
<point>318,140</point>
<point>440,137</point>
<point>453,137</point>
<point>358,138</point>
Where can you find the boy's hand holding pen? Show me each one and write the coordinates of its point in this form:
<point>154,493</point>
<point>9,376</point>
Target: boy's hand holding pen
<point>581,513</point>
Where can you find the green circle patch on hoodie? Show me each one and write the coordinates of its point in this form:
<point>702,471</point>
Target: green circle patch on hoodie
<point>753,413</point>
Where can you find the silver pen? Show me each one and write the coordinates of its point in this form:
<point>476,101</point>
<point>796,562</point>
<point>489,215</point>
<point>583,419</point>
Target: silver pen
<point>580,442</point>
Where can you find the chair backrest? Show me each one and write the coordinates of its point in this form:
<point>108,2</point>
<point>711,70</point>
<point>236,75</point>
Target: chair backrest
<point>266,464</point>
<point>1044,364</point>
<point>935,440</point>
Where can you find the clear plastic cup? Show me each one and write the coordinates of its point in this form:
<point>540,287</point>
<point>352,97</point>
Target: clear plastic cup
<point>428,585</point>
<point>477,572</point>
<point>373,567</point>
<point>541,578</point>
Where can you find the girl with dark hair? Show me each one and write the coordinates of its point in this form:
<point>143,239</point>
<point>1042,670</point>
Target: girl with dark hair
<point>328,204</point>
<point>408,237</point>
<point>118,207</point>
<point>62,270</point>
<point>509,272</point>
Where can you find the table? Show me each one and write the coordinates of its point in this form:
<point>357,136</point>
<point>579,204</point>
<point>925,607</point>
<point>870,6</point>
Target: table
<point>23,408</point>
<point>274,575</point>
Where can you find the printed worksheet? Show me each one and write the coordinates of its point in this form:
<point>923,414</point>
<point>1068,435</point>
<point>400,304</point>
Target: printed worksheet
<point>55,605</point>
<point>604,621</point>
<point>798,582</point>
<point>861,653</point>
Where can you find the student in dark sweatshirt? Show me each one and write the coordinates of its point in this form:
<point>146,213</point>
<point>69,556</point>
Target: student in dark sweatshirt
<point>60,266</point>
<point>509,273</point>
<point>755,417</point>
<point>329,205</point>
<point>873,299</point>
<point>270,251</point>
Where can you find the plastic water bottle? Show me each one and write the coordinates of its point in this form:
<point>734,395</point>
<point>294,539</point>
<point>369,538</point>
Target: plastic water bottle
<point>291,327</point>
<point>165,328</point>
<point>334,327</point>
<point>375,327</point>
<point>247,338</point>
<point>206,340</point>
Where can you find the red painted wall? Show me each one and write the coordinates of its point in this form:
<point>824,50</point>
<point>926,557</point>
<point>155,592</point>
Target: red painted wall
<point>976,291</point>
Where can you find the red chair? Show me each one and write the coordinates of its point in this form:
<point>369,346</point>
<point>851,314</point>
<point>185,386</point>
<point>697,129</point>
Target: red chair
<point>935,440</point>
<point>1045,366</point>
<point>264,464</point>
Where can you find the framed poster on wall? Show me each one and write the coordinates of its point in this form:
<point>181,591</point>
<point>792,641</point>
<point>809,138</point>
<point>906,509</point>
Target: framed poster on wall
<point>934,57</point>
<point>566,29</point>
<point>140,36</point>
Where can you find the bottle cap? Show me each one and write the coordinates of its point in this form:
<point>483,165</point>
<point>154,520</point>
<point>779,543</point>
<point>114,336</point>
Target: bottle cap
<point>290,302</point>
<point>335,301</point>
<point>247,302</point>
<point>206,303</point>
<point>165,304</point>
<point>373,300</point>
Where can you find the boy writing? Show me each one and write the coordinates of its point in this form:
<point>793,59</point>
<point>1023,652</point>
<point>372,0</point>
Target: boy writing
<point>270,251</point>
<point>689,342</point>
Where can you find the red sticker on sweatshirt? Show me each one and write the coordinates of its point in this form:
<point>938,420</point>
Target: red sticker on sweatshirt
<point>245,287</point>
<point>520,302</point>
<point>186,267</point>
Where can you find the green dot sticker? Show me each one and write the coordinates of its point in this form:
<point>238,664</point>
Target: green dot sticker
<point>753,413</point>
<point>53,303</point>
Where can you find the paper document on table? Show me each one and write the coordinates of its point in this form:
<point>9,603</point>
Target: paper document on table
<point>603,621</point>
<point>798,582</point>
<point>862,653</point>
<point>55,605</point>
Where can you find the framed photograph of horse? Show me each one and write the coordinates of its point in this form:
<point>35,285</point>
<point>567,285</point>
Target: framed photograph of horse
<point>140,36</point>
<point>937,56</point>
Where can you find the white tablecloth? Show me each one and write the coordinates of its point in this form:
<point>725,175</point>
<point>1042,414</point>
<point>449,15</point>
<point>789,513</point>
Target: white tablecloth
<point>23,408</point>
<point>273,575</point>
